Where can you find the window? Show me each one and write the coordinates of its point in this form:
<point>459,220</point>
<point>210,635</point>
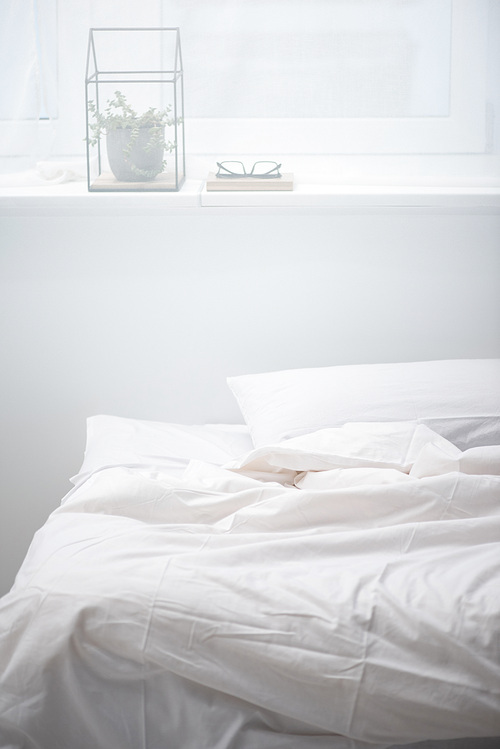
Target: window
<point>273,76</point>
<point>330,76</point>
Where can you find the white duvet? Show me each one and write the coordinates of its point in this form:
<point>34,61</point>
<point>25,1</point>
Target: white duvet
<point>338,590</point>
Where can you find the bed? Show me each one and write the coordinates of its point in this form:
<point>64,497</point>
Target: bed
<point>324,574</point>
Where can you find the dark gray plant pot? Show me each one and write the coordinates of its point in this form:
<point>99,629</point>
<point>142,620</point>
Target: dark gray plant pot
<point>139,165</point>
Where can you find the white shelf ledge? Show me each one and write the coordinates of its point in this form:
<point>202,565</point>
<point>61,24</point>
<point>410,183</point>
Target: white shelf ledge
<point>337,196</point>
<point>73,198</point>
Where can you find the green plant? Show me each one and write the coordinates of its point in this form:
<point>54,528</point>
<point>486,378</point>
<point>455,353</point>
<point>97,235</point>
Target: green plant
<point>119,115</point>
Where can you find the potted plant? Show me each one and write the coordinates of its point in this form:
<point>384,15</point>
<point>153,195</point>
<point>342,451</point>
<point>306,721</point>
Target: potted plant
<point>135,143</point>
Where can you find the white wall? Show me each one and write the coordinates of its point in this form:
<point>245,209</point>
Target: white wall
<point>145,317</point>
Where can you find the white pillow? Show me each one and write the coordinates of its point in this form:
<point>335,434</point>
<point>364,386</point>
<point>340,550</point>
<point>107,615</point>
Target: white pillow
<point>119,441</point>
<point>459,399</point>
<point>436,459</point>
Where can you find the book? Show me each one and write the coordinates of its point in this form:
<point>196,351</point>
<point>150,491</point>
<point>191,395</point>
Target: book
<point>285,182</point>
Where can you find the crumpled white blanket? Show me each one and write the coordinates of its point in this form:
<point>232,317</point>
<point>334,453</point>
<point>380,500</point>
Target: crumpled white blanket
<point>339,590</point>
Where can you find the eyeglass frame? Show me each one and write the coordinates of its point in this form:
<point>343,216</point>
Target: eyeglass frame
<point>233,175</point>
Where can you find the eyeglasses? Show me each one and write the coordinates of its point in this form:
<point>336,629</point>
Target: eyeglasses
<point>261,169</point>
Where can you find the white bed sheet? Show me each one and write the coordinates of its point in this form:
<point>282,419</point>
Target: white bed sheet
<point>227,609</point>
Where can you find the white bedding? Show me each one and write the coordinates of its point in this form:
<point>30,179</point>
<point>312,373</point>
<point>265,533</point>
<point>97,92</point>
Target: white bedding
<point>115,441</point>
<point>276,602</point>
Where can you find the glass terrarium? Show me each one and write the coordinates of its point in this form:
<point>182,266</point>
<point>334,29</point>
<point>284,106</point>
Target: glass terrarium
<point>135,110</point>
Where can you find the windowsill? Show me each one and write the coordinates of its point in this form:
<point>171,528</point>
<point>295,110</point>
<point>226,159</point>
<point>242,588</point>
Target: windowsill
<point>73,198</point>
<point>352,196</point>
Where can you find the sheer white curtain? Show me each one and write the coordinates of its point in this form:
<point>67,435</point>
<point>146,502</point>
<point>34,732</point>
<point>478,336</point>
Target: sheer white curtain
<point>43,46</point>
<point>28,100</point>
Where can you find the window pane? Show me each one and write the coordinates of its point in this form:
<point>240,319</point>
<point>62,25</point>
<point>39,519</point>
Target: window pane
<point>326,58</point>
